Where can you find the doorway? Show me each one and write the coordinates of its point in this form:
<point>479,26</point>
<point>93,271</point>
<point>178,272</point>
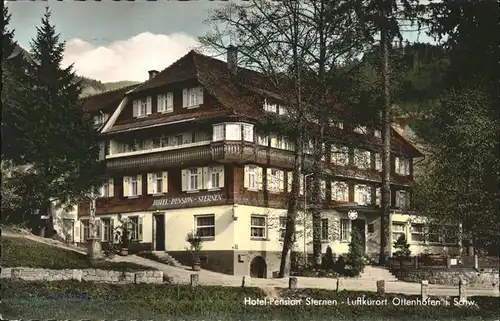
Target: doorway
<point>258,268</point>
<point>359,225</point>
<point>159,232</point>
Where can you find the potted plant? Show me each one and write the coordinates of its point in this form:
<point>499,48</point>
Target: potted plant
<point>109,250</point>
<point>123,236</point>
<point>195,246</point>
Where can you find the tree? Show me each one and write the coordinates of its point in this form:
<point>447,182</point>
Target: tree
<point>402,248</point>
<point>355,257</point>
<point>55,137</point>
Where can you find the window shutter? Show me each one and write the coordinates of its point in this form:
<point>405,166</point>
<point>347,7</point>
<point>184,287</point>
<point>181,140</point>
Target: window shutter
<point>139,184</point>
<point>111,187</point>
<point>125,186</point>
<point>184,180</point>
<point>334,191</point>
<point>184,98</point>
<point>246,174</point>
<point>82,234</point>
<point>396,165</point>
<point>170,102</point>
<point>407,167</point>
<point>150,183</point>
<point>378,194</point>
<point>164,187</point>
<point>139,229</point>
<point>199,96</point>
<point>200,178</point>
<point>149,105</point>
<point>356,193</point>
<point>112,229</point>
<point>160,103</point>
<point>259,178</point>
<point>207,177</point>
<point>135,107</point>
<point>221,176</point>
<point>77,228</point>
<point>289,182</point>
<point>301,184</point>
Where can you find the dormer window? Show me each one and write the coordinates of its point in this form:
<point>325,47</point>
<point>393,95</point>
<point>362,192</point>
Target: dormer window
<point>360,130</point>
<point>100,119</point>
<point>271,108</point>
<point>166,103</point>
<point>142,107</point>
<point>192,97</point>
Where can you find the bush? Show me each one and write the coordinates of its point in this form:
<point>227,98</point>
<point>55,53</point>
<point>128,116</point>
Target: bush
<point>327,261</point>
<point>355,258</point>
<point>402,249</point>
<point>340,265</point>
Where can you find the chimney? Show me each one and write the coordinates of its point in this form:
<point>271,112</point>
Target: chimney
<point>152,73</point>
<point>232,57</point>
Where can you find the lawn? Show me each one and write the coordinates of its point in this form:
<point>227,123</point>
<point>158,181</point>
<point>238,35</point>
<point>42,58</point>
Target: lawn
<point>22,252</point>
<point>82,300</point>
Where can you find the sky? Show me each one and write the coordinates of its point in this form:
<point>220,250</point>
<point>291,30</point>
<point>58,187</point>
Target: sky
<point>118,40</point>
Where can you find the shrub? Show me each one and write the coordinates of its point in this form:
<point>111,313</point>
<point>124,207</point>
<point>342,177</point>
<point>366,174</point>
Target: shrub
<point>355,257</point>
<point>402,249</point>
<point>340,265</point>
<point>327,261</point>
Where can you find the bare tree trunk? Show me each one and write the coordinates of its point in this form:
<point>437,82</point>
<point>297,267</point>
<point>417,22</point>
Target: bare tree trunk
<point>386,148</point>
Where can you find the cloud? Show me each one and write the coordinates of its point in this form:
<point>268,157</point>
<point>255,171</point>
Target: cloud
<point>127,59</point>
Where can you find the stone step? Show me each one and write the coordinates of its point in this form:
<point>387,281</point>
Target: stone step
<point>167,259</point>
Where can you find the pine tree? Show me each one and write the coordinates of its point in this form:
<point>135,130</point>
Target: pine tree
<point>402,248</point>
<point>57,139</point>
<point>355,257</point>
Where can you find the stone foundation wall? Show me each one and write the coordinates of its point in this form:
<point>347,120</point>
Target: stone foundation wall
<point>449,276</point>
<point>89,275</point>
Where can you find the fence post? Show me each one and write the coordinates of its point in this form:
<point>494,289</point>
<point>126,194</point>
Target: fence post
<point>194,280</point>
<point>243,282</point>
<point>476,262</point>
<point>462,290</point>
<point>338,284</point>
<point>424,289</point>
<point>415,261</point>
<point>292,283</point>
<point>381,287</point>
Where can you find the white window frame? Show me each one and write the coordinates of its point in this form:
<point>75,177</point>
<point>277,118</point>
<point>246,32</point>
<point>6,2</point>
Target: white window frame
<point>157,179</point>
<point>402,166</point>
<point>340,186</point>
<point>360,130</point>
<point>192,177</point>
<point>325,233</point>
<point>166,103</point>
<point>378,161</point>
<point>431,232</point>
<point>134,232</point>
<point>107,230</point>
<point>210,227</point>
<point>345,230</point>
<point>253,173</point>
<point>282,227</point>
<point>248,133</point>
<point>270,108</point>
<point>215,173</point>
<point>262,228</point>
<point>262,139</point>
<point>218,133</point>
<point>104,190</point>
<point>274,182</point>
<point>132,181</point>
<point>402,199</point>
<point>233,131</point>
<point>364,194</point>
<point>340,155</point>
<point>417,230</point>
<point>142,107</point>
<point>85,230</point>
<point>396,233</point>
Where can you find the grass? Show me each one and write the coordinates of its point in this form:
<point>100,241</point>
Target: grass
<point>71,299</point>
<point>22,252</point>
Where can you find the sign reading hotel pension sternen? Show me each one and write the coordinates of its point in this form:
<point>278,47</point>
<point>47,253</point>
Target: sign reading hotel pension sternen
<point>200,199</point>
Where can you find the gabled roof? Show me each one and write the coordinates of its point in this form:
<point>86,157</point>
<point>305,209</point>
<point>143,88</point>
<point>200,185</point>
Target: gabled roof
<point>106,100</point>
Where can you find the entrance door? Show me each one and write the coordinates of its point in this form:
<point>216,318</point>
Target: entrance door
<point>160,232</point>
<point>258,268</point>
<point>359,225</point>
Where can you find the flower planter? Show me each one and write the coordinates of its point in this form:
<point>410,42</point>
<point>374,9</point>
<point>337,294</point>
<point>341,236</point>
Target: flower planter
<point>124,252</point>
<point>196,266</point>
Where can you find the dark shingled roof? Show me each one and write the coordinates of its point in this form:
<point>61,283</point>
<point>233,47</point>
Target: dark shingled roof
<point>107,100</point>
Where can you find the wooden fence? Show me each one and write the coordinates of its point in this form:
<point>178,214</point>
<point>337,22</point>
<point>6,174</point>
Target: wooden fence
<point>441,261</point>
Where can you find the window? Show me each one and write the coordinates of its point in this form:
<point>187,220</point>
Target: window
<point>133,186</point>
<point>340,192</point>
<point>282,228</point>
<point>156,143</point>
<point>166,103</point>
<point>402,166</point>
<point>378,196</point>
<point>218,132</point>
<point>274,138</point>
<point>451,235</point>
<point>282,110</point>
<point>274,179</point>
<point>402,199</point>
<point>136,228</point>
<point>104,190</point>
<point>258,226</point>
<point>252,177</point>
<point>177,140</point>
<point>248,133</point>
<point>85,226</point>
<point>205,226</point>
<point>324,229</point>
<point>362,158</point>
<point>398,229</point>
<point>192,97</point>
<point>216,176</point>
<point>262,139</point>
<point>271,108</point>
<point>377,133</point>
<point>378,162</point>
<point>143,108</point>
<point>434,233</point>
<point>363,194</point>
<point>345,225</point>
<point>107,230</point>
<point>360,130</point>
<point>100,119</point>
<point>308,147</point>
<point>340,155</point>
<point>233,131</point>
<point>157,183</point>
<point>323,190</point>
<point>192,179</point>
<point>286,143</point>
<point>417,233</point>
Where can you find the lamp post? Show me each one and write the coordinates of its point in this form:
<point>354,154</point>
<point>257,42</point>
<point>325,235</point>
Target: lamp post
<point>94,252</point>
<point>305,216</point>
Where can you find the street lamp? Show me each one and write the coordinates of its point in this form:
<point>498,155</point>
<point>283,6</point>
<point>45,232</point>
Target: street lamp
<point>94,245</point>
<point>305,216</point>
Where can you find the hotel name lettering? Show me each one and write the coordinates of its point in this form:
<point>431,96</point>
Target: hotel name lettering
<point>187,200</point>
